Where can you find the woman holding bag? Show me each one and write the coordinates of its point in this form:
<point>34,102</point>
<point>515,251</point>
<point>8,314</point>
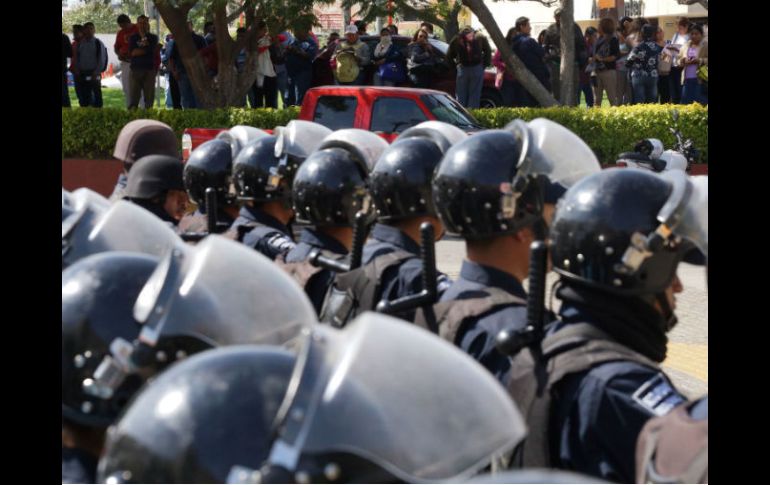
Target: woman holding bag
<point>389,62</point>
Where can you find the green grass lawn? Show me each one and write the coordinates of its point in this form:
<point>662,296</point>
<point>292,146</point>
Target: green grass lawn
<point>113,98</point>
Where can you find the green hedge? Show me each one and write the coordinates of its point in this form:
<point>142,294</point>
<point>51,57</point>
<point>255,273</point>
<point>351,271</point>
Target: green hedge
<point>611,131</point>
<point>91,133</point>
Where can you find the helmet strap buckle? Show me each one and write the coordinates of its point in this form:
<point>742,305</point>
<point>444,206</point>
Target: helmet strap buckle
<point>112,371</point>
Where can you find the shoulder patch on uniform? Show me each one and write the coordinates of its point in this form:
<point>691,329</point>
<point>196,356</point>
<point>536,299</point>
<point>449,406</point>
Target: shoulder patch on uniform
<point>443,282</point>
<point>658,396</point>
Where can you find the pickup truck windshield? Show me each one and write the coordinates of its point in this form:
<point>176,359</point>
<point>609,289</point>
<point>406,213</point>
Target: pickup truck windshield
<point>448,110</point>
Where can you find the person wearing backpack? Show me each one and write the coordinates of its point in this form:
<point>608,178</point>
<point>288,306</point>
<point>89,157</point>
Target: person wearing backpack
<point>90,62</point>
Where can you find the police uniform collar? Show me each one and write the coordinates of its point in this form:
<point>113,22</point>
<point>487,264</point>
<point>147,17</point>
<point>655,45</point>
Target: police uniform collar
<point>393,235</point>
<point>256,215</point>
<point>318,239</point>
<point>489,276</point>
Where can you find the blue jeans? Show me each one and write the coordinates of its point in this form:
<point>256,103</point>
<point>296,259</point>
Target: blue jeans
<point>645,89</point>
<point>299,83</point>
<point>470,81</point>
<point>692,92</point>
<point>186,92</point>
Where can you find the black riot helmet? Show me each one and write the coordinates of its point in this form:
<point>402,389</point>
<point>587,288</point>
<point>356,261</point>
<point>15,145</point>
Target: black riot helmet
<point>209,165</point>
<point>254,172</point>
<point>201,419</point>
<point>97,299</point>
<point>356,410</point>
<point>625,231</point>
<point>329,188</point>
<point>401,180</point>
<point>209,296</point>
<point>154,175</point>
<point>96,228</point>
<point>495,182</point>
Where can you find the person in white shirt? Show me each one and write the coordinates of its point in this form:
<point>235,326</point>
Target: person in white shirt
<point>679,39</point>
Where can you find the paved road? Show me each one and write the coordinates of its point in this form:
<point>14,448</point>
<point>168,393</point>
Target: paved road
<point>687,360</point>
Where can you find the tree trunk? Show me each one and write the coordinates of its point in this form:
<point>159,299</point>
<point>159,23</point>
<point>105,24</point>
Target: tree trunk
<point>512,62</point>
<point>230,87</point>
<point>567,41</point>
<point>452,22</point>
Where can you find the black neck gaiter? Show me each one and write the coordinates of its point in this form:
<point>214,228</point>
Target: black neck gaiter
<point>629,320</point>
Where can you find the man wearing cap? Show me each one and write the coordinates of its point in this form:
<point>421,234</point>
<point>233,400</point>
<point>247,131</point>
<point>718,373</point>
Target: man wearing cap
<point>156,184</point>
<point>360,51</point>
<point>140,138</point>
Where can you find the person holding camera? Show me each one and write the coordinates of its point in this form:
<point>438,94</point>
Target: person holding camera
<point>142,46</point>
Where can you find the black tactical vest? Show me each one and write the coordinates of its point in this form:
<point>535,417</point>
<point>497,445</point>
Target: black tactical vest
<point>302,271</point>
<point>446,318</point>
<point>571,350</point>
<point>360,290</point>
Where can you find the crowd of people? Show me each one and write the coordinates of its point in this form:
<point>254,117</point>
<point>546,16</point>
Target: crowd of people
<point>632,63</point>
<point>223,345</point>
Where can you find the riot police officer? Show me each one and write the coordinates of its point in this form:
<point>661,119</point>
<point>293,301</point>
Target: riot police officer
<point>209,166</point>
<point>138,139</point>
<point>156,184</point>
<point>327,415</point>
<point>400,186</point>
<point>263,220</point>
<point>329,189</point>
<point>486,192</point>
<point>98,294</point>
<point>591,384</point>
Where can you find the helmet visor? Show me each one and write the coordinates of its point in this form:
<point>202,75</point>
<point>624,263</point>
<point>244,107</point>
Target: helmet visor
<point>124,227</point>
<point>299,138</point>
<point>687,210</point>
<point>364,145</point>
<point>403,410</point>
<point>550,149</point>
<point>222,293</point>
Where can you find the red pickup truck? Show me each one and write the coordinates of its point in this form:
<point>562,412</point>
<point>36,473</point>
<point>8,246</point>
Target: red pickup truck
<point>386,111</point>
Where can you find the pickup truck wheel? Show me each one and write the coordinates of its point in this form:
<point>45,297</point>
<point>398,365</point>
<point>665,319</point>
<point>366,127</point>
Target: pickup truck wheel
<point>491,98</point>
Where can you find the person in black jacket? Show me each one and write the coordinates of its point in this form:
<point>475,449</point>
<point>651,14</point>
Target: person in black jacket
<point>552,46</point>
<point>532,55</point>
<point>471,53</point>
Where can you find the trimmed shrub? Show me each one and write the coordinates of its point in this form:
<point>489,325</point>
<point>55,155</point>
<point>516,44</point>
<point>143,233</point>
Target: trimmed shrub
<point>91,133</point>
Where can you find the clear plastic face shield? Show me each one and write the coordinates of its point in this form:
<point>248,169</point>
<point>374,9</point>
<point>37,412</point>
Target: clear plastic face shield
<point>684,216</point>
<point>122,227</point>
<point>217,293</point>
<point>295,142</point>
<point>365,146</point>
<point>450,132</point>
<point>550,149</point>
<point>239,136</point>
<point>222,293</point>
<point>372,390</point>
